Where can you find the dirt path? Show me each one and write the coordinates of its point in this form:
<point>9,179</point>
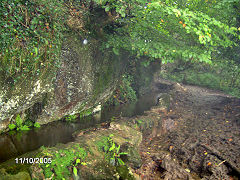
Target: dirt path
<point>198,138</point>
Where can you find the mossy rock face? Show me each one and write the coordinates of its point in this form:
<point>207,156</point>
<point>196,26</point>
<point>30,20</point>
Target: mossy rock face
<point>19,176</point>
<point>85,77</point>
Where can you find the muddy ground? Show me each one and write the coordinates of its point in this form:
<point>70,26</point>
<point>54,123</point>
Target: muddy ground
<point>196,137</point>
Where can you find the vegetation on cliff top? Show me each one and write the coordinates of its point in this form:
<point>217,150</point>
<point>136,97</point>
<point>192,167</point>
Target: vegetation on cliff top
<point>166,30</point>
<point>30,36</point>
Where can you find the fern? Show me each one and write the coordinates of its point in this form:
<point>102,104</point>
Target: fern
<point>19,121</point>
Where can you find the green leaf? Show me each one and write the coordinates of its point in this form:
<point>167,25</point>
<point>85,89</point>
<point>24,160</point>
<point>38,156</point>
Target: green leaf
<point>78,161</point>
<point>113,147</point>
<point>37,125</point>
<point>36,50</point>
<point>83,163</point>
<point>75,171</point>
<point>118,148</point>
<point>116,51</point>
<point>123,14</point>
<point>24,128</point>
<point>145,63</point>
<point>11,126</point>
<point>34,21</point>
<point>120,161</point>
<point>19,121</point>
<point>107,8</point>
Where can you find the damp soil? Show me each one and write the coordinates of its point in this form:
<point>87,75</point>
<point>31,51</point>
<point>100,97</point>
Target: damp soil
<point>197,137</point>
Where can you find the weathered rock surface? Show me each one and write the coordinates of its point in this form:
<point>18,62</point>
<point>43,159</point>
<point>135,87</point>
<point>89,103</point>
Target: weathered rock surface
<point>86,76</point>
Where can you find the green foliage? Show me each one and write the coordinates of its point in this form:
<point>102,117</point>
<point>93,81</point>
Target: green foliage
<point>37,125</point>
<point>172,30</point>
<point>70,118</point>
<point>139,121</point>
<point>120,7</point>
<point>11,126</point>
<point>62,160</point>
<point>23,128</point>
<point>75,171</point>
<point>221,75</point>
<point>165,30</point>
<point>128,94</point>
<point>30,36</point>
<point>19,121</point>
<point>20,126</point>
<point>112,151</point>
<point>86,113</point>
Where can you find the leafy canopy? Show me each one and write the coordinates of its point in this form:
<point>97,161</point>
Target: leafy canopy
<point>169,30</point>
<point>32,31</point>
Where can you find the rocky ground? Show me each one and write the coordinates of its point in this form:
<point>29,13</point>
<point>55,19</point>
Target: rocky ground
<point>196,138</point>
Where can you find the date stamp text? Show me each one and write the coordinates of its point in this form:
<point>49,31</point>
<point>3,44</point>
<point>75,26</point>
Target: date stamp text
<point>33,160</point>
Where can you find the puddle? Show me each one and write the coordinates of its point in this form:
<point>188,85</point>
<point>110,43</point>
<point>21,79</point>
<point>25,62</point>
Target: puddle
<point>13,145</point>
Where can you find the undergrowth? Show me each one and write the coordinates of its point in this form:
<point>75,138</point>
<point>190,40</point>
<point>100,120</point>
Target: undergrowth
<point>71,118</point>
<point>30,36</point>
<point>64,162</point>
<point>111,150</point>
<point>19,125</point>
<point>222,75</point>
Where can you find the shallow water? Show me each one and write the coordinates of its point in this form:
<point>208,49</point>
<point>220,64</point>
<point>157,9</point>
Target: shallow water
<point>17,143</point>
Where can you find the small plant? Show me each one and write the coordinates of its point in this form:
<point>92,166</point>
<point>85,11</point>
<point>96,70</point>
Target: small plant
<point>19,121</point>
<point>37,125</point>
<point>11,126</point>
<point>70,118</point>
<point>62,160</point>
<point>75,171</point>
<point>86,113</point>
<point>112,152</point>
<point>20,126</point>
<point>23,128</point>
